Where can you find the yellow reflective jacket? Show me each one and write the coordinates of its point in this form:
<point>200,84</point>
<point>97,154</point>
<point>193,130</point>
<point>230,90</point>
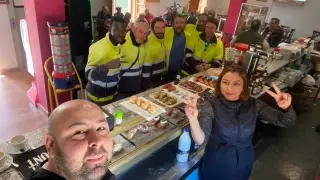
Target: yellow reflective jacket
<point>154,64</point>
<point>131,75</point>
<point>201,52</point>
<point>102,82</point>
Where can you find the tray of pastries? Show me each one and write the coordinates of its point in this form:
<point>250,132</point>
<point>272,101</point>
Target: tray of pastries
<point>205,81</point>
<point>121,147</point>
<point>192,86</point>
<point>143,107</point>
<point>147,131</point>
<point>165,98</point>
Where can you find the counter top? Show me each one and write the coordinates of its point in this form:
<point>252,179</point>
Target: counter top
<point>36,137</point>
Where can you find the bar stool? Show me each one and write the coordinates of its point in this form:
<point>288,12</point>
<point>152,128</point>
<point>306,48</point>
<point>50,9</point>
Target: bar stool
<point>57,91</point>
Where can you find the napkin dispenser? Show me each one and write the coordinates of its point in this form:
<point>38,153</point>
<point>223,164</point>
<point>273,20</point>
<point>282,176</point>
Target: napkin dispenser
<point>110,119</point>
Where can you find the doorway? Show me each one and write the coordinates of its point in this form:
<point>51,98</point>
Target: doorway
<point>193,5</point>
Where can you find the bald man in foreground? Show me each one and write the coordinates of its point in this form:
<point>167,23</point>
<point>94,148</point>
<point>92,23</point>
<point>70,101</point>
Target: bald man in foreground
<point>78,142</point>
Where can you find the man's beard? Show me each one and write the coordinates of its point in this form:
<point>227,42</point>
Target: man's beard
<point>159,35</point>
<point>178,32</point>
<point>66,167</point>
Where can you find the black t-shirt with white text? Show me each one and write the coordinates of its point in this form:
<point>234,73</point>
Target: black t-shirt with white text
<point>42,173</point>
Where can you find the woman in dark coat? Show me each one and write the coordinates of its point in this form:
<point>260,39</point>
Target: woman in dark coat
<point>227,123</point>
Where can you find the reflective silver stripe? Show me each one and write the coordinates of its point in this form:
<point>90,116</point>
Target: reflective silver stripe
<point>131,74</point>
<point>146,75</point>
<point>99,83</point>
<point>133,67</point>
<point>188,55</point>
<point>158,71</point>
<point>189,47</point>
<point>89,67</point>
<point>112,73</point>
<point>205,61</point>
<point>112,84</point>
<point>196,58</point>
<point>147,64</point>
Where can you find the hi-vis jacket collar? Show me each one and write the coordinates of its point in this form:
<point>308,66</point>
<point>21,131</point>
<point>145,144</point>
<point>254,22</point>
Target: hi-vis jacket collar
<point>213,40</point>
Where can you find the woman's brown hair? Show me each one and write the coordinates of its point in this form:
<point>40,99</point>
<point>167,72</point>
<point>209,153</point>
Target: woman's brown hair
<point>242,73</point>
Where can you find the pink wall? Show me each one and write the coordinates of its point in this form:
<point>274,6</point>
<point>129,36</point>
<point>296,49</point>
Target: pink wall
<point>232,16</point>
<point>38,13</point>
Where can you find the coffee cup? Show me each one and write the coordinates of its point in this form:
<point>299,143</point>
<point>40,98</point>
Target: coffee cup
<point>18,143</point>
<point>2,158</point>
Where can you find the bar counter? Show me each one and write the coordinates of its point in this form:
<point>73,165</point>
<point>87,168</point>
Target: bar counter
<point>161,149</point>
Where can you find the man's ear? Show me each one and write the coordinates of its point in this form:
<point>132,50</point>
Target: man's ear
<point>49,143</point>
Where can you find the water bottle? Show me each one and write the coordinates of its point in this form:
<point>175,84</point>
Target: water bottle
<point>184,146</point>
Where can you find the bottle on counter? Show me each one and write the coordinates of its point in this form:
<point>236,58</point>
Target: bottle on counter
<point>118,116</point>
<point>177,81</point>
<point>184,146</point>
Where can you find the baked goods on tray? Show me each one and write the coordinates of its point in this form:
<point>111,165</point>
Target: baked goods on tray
<point>192,86</point>
<point>151,108</point>
<point>205,80</point>
<point>164,98</point>
<point>215,71</point>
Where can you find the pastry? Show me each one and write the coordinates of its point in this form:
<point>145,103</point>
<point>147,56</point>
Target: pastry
<point>143,128</point>
<point>212,83</point>
<point>206,81</point>
<point>162,124</point>
<point>152,122</point>
<point>145,105</point>
<point>140,101</point>
<point>133,99</point>
<point>175,113</point>
<point>171,101</point>
<point>171,88</point>
<point>152,109</point>
<point>169,112</point>
<point>131,133</point>
<point>117,148</point>
<point>157,95</point>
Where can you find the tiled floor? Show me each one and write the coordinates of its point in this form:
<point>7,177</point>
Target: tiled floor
<point>292,154</point>
<point>17,114</point>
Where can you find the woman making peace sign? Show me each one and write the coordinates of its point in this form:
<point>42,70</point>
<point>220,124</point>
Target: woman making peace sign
<point>227,123</point>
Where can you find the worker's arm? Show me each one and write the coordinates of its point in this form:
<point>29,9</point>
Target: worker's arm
<point>99,73</point>
<point>218,55</point>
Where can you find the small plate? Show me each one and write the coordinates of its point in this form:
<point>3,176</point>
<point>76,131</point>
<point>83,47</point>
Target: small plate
<point>11,151</point>
<point>7,164</point>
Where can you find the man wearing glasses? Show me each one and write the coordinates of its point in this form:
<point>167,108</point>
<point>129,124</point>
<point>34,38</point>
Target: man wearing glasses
<point>206,50</point>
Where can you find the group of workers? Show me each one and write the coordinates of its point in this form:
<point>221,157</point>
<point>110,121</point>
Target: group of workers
<point>125,63</point>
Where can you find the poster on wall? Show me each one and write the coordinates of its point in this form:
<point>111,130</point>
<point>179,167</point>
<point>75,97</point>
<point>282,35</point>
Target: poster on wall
<point>3,1</point>
<point>247,14</point>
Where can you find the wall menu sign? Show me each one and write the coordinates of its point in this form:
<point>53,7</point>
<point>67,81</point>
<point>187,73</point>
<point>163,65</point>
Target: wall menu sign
<point>29,161</point>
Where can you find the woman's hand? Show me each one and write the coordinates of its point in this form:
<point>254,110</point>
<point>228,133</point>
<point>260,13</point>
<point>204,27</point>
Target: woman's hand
<point>191,108</point>
<point>283,99</point>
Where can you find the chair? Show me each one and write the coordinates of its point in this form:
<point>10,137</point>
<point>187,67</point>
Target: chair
<point>58,91</point>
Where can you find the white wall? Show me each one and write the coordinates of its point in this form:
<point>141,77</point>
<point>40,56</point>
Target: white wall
<point>304,19</point>
<point>219,6</point>
<point>157,9</point>
<point>7,49</point>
